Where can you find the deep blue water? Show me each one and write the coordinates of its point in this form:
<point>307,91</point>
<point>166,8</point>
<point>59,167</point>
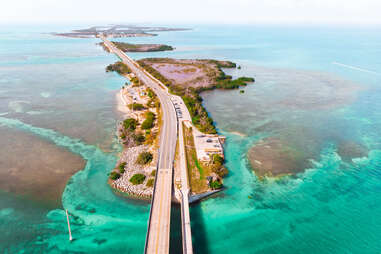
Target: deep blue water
<point>317,89</point>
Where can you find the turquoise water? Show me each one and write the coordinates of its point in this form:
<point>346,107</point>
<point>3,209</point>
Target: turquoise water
<point>317,89</point>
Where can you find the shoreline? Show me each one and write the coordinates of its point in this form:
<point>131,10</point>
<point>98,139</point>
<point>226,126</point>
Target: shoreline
<point>203,147</point>
<point>121,104</point>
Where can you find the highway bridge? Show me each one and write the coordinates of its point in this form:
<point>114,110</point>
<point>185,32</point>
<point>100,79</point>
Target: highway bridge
<point>158,230</point>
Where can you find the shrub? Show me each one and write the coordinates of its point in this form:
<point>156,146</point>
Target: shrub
<point>144,158</point>
<point>215,185</point>
<point>136,106</point>
<point>150,93</point>
<point>138,138</point>
<point>114,175</point>
<point>217,159</point>
<point>119,67</point>
<point>150,182</point>
<point>221,171</point>
<point>137,179</point>
<point>130,124</point>
<point>122,165</point>
<point>153,173</point>
<point>148,123</point>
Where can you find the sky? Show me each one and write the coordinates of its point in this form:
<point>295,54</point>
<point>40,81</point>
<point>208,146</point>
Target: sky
<point>192,11</point>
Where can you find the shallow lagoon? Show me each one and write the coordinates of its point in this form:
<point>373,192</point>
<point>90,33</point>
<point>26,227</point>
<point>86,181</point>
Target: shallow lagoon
<point>55,89</point>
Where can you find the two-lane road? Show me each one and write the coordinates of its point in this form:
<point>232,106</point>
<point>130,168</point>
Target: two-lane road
<point>159,225</point>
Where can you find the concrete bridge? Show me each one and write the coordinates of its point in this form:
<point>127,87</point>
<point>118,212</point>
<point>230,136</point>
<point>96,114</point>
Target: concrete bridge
<point>158,230</point>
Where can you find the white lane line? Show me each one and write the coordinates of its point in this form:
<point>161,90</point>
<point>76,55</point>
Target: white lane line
<point>355,68</point>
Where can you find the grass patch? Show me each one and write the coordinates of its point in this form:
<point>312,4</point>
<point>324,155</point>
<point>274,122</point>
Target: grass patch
<point>198,166</point>
<point>196,171</point>
<point>150,182</point>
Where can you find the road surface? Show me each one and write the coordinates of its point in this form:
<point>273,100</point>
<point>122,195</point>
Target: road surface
<point>157,240</point>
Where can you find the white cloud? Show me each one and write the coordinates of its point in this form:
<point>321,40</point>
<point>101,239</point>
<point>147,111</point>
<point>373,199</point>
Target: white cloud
<point>192,11</point>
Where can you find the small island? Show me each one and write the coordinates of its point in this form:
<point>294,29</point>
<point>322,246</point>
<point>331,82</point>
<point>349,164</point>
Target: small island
<point>117,31</point>
<point>138,133</point>
<point>129,47</point>
<point>186,79</point>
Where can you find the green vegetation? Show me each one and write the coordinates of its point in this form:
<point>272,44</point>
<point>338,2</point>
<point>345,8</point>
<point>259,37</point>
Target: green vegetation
<point>164,48</point>
<point>214,185</point>
<point>128,47</point>
<point>139,138</point>
<point>114,175</point>
<point>217,167</point>
<point>154,73</point>
<point>134,80</point>
<point>122,165</point>
<point>217,159</point>
<point>137,179</point>
<point>136,106</point>
<point>144,158</point>
<point>148,123</point>
<point>196,171</point>
<point>200,116</point>
<point>150,93</point>
<point>119,67</point>
<point>191,96</point>
<point>150,182</point>
<point>130,124</point>
<point>242,91</point>
<point>153,173</point>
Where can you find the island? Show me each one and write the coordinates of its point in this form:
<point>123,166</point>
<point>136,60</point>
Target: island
<point>129,47</point>
<point>138,133</point>
<point>117,31</point>
<point>186,79</point>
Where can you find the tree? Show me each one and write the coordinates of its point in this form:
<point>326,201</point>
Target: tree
<point>114,175</point>
<point>138,138</point>
<point>215,185</point>
<point>144,158</point>
<point>130,124</point>
<point>137,179</point>
<point>136,106</point>
<point>217,159</point>
<point>148,123</point>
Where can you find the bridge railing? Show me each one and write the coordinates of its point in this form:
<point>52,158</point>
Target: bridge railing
<point>152,199</point>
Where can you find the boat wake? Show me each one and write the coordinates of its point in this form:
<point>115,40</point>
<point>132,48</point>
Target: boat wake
<point>355,68</point>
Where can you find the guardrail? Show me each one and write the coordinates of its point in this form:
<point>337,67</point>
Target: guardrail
<point>152,199</point>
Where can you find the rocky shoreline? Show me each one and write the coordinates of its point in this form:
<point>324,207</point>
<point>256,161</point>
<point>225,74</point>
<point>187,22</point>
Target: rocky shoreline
<point>122,184</point>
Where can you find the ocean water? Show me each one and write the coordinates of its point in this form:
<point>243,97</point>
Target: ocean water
<point>318,89</point>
